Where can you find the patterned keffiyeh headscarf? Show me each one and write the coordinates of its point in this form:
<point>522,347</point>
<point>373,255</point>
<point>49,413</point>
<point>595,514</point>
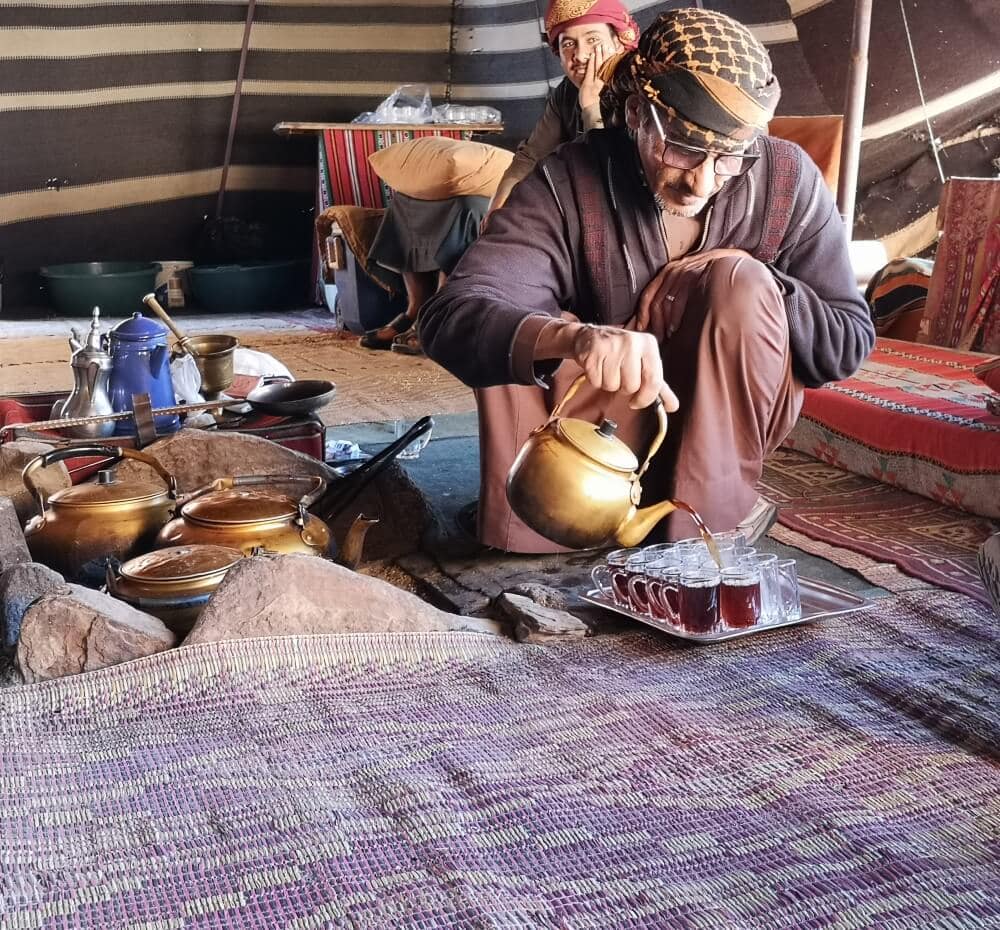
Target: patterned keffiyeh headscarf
<point>709,74</point>
<point>565,13</point>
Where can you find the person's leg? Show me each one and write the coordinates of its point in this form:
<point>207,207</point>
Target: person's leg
<point>730,365</point>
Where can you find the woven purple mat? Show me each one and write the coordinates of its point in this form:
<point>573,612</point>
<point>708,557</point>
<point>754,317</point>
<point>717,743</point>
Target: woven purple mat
<point>836,775</point>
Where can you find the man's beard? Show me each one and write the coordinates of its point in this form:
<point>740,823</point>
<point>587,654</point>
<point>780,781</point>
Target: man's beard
<point>688,214</point>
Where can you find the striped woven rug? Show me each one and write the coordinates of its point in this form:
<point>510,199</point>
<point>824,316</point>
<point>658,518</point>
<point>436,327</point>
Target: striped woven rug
<point>834,513</point>
<point>839,775</point>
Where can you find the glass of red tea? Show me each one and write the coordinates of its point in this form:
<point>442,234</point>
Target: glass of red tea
<point>698,599</point>
<point>739,597</point>
<point>611,578</point>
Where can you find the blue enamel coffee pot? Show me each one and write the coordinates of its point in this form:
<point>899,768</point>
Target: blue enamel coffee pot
<point>140,364</point>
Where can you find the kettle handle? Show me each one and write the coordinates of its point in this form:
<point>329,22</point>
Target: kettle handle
<point>657,405</point>
<point>114,453</point>
<point>661,434</point>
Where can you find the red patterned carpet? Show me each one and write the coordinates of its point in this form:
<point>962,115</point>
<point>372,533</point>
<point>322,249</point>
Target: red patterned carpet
<point>922,537</point>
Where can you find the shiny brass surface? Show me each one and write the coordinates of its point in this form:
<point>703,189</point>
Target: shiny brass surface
<point>227,513</point>
<point>578,485</point>
<point>80,528</point>
<point>173,584</point>
<point>214,358</point>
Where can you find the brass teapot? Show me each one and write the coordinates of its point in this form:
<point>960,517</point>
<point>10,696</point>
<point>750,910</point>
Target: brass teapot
<point>577,484</point>
<point>80,528</point>
<point>248,513</point>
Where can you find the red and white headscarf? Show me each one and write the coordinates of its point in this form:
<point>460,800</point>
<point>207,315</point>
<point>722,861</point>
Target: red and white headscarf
<point>565,13</point>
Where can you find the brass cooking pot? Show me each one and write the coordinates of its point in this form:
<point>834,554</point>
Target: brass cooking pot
<point>244,513</point>
<point>173,584</point>
<point>80,528</point>
<point>578,484</point>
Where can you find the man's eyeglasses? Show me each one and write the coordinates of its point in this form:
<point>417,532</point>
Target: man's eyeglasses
<point>689,157</point>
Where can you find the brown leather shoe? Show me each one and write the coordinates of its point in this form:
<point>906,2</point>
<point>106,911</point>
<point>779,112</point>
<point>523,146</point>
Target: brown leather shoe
<point>395,327</point>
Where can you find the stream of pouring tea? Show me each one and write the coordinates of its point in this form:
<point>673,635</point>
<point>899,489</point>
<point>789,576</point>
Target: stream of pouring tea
<point>713,549</point>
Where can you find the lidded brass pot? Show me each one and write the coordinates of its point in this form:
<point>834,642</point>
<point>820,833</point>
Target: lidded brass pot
<point>80,528</point>
<point>173,584</point>
<point>578,484</point>
<point>245,513</point>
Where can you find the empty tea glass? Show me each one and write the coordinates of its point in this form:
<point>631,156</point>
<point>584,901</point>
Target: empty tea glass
<point>766,564</point>
<point>698,599</point>
<point>739,597</point>
<point>413,449</point>
<point>735,537</point>
<point>788,589</point>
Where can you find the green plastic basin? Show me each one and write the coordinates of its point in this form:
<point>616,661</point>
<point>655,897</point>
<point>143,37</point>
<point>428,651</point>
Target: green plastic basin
<point>251,286</point>
<point>116,287</point>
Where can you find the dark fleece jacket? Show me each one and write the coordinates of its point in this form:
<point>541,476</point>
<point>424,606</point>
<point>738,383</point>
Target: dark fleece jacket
<point>529,265</point>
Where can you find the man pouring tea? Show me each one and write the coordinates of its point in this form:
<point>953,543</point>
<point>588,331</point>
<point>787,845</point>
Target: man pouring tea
<point>679,254</point>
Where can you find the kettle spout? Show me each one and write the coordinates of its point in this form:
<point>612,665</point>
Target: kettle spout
<point>640,524</point>
<point>354,543</point>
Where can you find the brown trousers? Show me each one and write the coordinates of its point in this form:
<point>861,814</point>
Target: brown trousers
<point>730,367</point>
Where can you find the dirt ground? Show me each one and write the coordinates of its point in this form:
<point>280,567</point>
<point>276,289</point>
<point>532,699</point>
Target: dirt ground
<point>371,386</point>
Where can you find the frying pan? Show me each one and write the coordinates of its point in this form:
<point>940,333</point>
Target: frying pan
<point>291,398</point>
<point>280,398</point>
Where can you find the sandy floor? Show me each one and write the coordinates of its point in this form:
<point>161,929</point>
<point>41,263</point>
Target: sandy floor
<point>370,385</point>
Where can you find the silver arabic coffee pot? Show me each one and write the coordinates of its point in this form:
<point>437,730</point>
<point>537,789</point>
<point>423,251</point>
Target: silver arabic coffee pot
<point>91,371</point>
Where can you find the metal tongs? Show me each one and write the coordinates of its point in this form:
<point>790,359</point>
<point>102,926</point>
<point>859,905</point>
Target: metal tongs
<point>342,492</point>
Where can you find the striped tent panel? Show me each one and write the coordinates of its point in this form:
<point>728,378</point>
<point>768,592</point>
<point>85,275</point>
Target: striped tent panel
<point>118,109</point>
<point>121,108</point>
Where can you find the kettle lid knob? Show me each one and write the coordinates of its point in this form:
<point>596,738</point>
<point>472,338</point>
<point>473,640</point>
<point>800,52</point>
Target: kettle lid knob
<point>607,428</point>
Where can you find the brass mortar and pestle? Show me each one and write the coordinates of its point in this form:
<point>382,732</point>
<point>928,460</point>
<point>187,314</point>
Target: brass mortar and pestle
<point>213,354</point>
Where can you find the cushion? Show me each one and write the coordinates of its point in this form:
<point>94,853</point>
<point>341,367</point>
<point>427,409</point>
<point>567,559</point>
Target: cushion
<point>915,417</point>
<point>436,168</point>
<point>989,373</point>
<point>820,136</point>
<point>897,295</point>
<point>963,303</point>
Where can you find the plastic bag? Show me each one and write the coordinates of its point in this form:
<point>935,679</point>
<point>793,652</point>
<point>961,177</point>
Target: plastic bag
<point>252,362</point>
<point>408,103</point>
<point>455,113</point>
<point>186,379</point>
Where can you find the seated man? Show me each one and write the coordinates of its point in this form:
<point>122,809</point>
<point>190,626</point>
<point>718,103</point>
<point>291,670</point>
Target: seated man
<point>420,238</point>
<point>686,255</point>
<point>584,36</point>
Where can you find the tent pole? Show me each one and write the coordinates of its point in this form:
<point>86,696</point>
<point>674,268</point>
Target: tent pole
<point>854,113</point>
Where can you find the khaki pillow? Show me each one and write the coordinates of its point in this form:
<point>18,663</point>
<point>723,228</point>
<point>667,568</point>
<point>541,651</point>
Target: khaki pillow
<point>435,167</point>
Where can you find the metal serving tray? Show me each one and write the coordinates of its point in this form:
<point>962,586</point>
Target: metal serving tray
<point>820,601</point>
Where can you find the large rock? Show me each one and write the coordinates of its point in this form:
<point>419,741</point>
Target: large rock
<point>20,586</point>
<point>13,548</point>
<point>197,457</point>
<point>533,622</point>
<point>63,634</point>
<point>270,595</point>
<point>402,511</point>
<point>13,457</point>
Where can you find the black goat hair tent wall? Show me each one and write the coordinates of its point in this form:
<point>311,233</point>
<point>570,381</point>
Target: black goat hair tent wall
<point>113,115</point>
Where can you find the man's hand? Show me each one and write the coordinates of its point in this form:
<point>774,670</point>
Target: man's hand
<point>664,299</point>
<point>591,85</point>
<point>613,359</point>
